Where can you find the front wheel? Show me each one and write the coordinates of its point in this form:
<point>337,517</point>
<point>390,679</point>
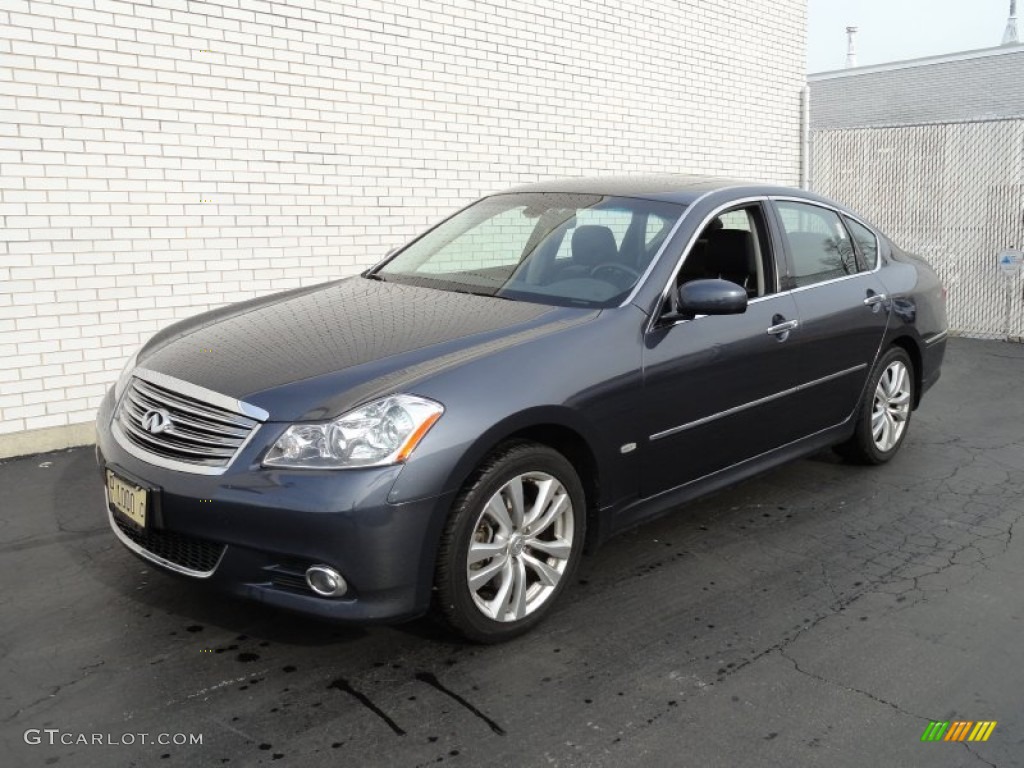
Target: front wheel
<point>512,543</point>
<point>884,416</point>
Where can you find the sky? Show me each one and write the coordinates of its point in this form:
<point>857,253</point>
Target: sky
<point>892,30</point>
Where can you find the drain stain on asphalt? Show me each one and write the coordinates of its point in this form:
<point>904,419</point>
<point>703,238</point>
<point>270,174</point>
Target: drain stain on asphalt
<point>341,684</point>
<point>430,679</point>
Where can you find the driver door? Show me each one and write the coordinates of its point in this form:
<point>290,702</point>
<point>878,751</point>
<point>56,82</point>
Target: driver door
<point>715,386</point>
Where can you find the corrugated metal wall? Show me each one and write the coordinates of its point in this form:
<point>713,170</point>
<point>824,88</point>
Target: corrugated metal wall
<point>950,192</point>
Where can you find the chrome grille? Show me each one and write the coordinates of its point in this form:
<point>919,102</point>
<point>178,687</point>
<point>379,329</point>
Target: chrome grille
<point>201,436</point>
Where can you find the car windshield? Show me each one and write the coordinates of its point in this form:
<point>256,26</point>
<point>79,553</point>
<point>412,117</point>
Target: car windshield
<point>566,249</point>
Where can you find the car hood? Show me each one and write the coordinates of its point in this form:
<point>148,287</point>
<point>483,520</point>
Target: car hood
<point>313,352</point>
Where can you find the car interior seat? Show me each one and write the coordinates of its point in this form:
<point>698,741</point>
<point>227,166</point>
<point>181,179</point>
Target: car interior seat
<point>731,256</point>
<point>593,245</point>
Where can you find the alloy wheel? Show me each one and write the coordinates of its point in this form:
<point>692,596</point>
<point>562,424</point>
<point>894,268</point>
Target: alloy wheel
<point>891,408</point>
<point>521,545</point>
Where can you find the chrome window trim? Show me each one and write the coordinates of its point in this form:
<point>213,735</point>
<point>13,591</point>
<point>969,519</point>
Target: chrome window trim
<point>778,286</point>
<point>155,558</point>
<point>801,288</point>
<point>755,403</point>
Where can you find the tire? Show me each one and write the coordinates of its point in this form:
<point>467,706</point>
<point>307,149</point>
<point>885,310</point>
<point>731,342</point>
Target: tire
<point>883,418</point>
<point>522,560</point>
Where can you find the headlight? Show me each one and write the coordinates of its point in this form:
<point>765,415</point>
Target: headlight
<point>382,432</point>
<point>125,377</point>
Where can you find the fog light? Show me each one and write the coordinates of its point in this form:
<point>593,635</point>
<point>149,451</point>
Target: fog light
<point>325,581</point>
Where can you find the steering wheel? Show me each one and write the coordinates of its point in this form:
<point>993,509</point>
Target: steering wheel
<point>616,268</point>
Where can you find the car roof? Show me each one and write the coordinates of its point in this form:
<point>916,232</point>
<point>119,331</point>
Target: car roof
<point>667,187</point>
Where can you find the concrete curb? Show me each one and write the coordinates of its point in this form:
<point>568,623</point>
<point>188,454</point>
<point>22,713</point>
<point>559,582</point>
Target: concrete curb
<point>48,439</point>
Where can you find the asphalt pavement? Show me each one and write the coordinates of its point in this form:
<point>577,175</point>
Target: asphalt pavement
<point>818,615</point>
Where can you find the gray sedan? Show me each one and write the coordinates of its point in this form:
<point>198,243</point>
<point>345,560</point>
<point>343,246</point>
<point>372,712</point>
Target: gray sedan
<point>551,365</point>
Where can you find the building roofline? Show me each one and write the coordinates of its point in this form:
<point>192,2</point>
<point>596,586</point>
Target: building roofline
<point>924,61</point>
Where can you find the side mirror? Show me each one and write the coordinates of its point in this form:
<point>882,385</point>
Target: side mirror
<point>711,297</point>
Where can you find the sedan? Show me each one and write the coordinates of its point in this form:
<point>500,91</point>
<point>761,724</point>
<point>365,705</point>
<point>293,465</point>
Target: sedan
<point>450,430</point>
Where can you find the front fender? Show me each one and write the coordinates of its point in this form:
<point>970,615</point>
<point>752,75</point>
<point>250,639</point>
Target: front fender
<point>456,462</point>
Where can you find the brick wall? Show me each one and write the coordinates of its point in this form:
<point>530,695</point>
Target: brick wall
<point>162,158</point>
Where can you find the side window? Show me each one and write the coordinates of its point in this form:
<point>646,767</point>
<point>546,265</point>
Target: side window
<point>867,243</point>
<point>734,247</point>
<point>820,248</point>
<point>495,242</point>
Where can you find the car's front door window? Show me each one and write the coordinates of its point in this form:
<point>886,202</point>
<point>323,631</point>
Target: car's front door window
<point>733,246</point>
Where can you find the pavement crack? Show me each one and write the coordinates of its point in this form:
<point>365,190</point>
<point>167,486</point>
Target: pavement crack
<point>1009,533</point>
<point>828,582</point>
<point>850,689</point>
<point>976,756</point>
<point>52,694</point>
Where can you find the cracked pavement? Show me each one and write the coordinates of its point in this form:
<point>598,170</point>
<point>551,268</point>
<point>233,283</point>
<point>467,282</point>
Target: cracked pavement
<point>820,614</point>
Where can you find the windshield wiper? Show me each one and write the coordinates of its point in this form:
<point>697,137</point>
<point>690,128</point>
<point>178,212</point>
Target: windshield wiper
<point>480,293</point>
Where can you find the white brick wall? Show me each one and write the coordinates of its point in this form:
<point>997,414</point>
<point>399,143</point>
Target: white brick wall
<point>161,158</point>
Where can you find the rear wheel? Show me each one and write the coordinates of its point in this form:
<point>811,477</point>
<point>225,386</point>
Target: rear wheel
<point>512,543</point>
<point>884,416</point>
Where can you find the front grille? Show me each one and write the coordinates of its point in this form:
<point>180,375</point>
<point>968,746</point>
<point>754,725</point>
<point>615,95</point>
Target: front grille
<point>193,554</point>
<point>200,433</point>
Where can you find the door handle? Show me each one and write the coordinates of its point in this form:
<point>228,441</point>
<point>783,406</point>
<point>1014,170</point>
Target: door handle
<point>783,328</point>
<point>875,298</point>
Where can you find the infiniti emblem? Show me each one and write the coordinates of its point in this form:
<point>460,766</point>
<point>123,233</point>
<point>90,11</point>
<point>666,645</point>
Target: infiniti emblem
<point>156,421</point>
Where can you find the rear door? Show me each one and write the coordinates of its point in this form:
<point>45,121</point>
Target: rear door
<point>842,306</point>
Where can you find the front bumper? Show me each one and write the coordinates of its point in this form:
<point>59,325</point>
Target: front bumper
<point>253,531</point>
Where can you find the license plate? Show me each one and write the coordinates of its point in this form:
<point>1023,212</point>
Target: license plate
<point>127,498</point>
